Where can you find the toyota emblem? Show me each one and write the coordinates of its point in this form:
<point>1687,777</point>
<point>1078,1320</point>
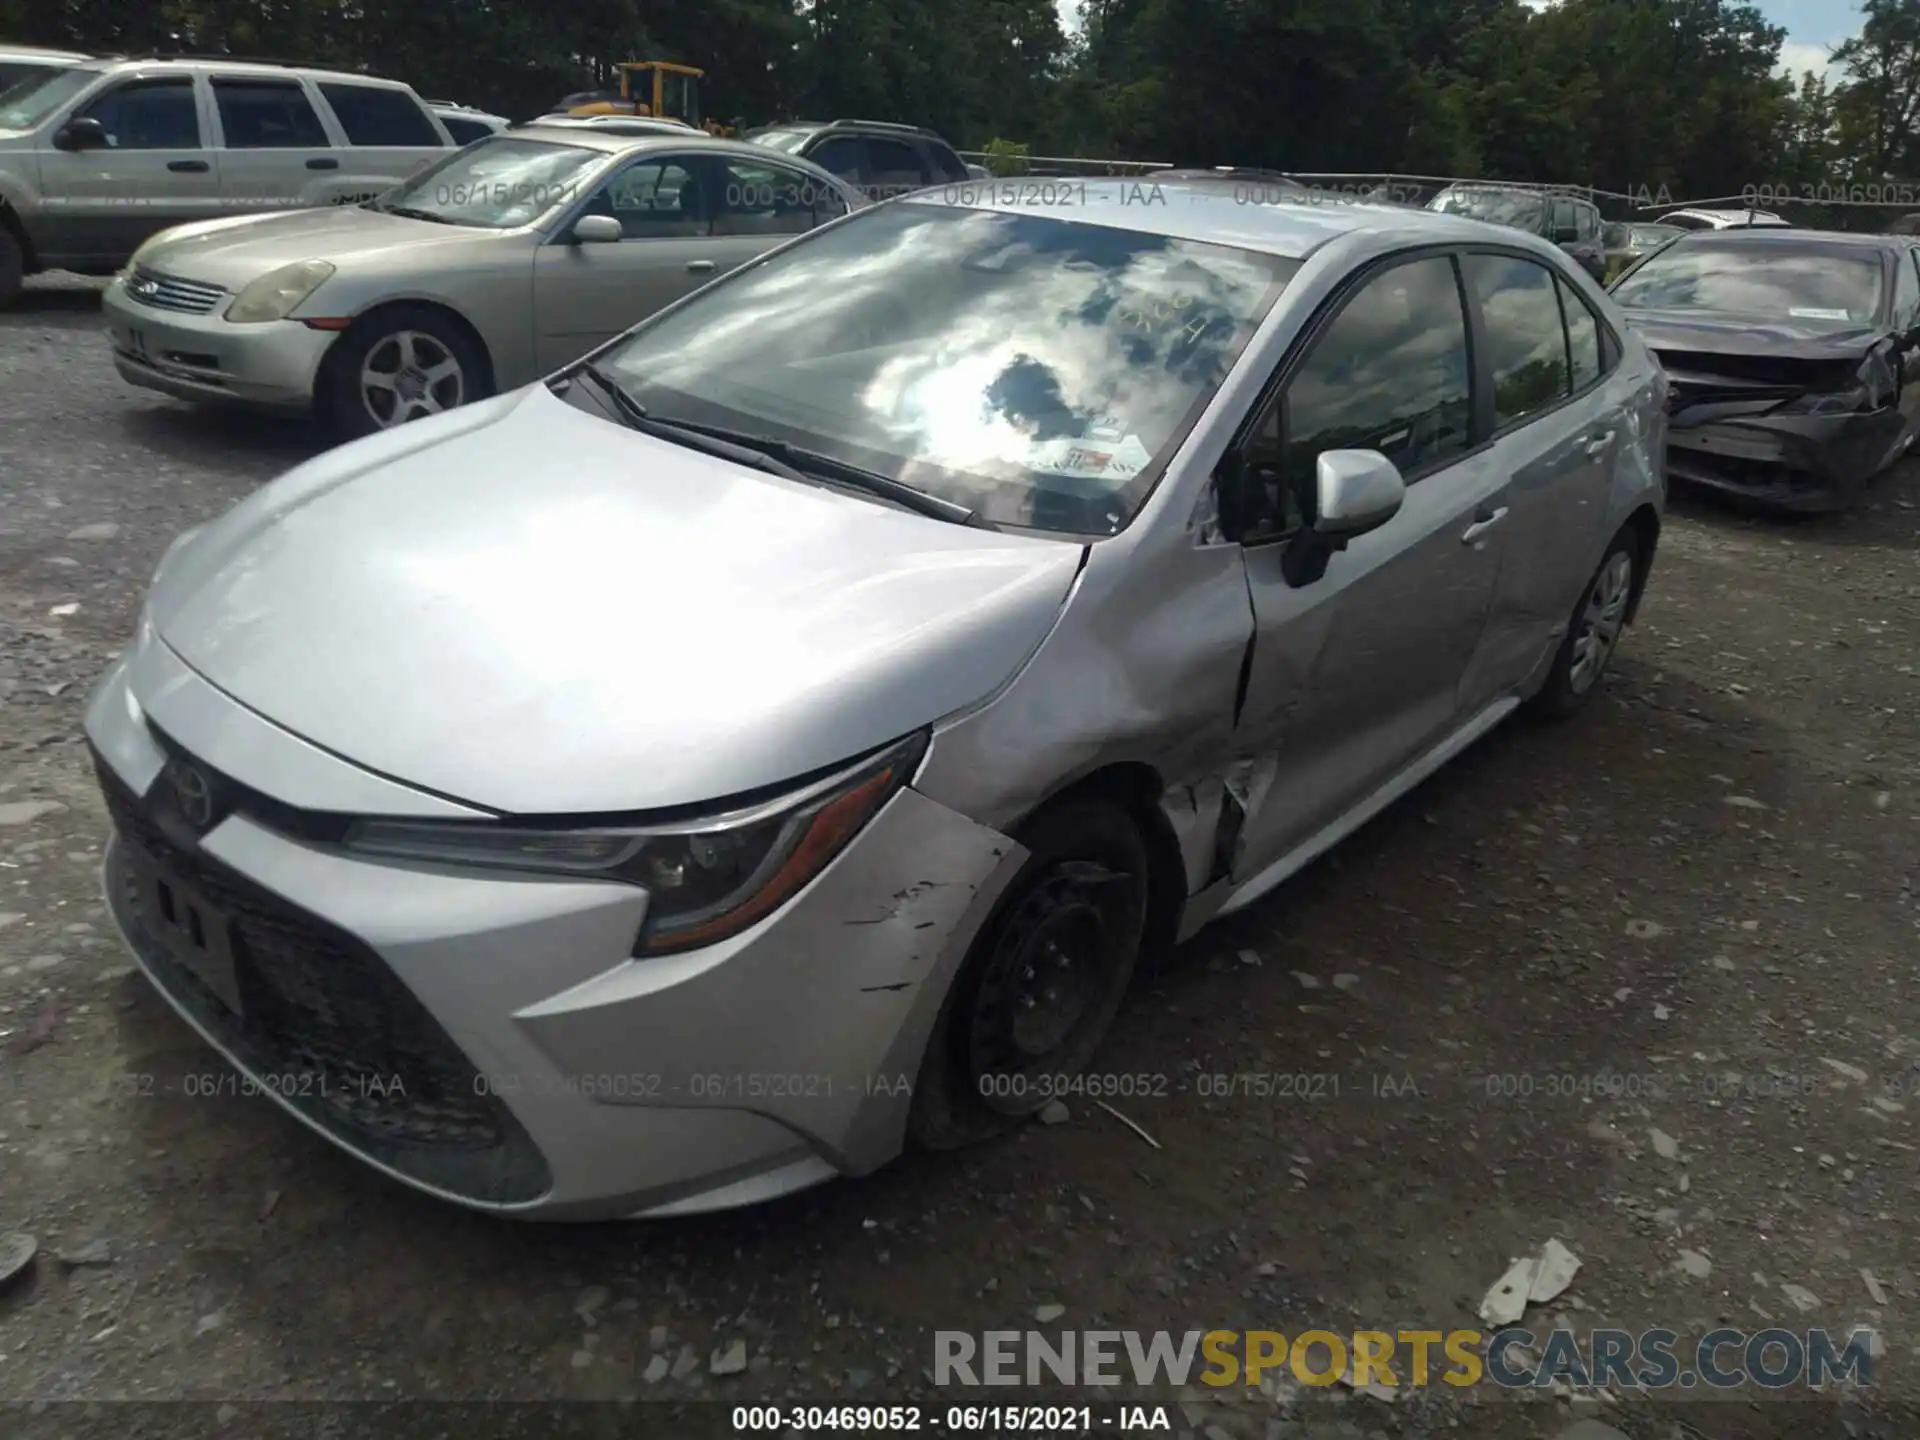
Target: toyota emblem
<point>192,794</point>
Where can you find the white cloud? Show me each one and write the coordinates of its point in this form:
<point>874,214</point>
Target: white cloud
<point>1798,56</point>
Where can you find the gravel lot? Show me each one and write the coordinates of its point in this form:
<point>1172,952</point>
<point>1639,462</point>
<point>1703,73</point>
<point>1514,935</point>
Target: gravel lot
<point>1703,888</point>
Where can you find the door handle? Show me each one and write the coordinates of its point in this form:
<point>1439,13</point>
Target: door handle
<point>1483,521</point>
<point>323,162</point>
<point>699,267</point>
<point>188,167</point>
<point>1597,444</point>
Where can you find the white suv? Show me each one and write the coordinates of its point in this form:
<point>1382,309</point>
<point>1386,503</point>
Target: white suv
<point>97,157</point>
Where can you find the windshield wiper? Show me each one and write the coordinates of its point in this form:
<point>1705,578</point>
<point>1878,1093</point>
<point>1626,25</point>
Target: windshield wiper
<point>636,416</point>
<point>842,472</point>
<point>777,457</point>
<point>408,212</point>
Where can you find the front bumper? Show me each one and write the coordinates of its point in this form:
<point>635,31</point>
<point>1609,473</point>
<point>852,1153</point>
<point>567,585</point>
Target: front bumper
<point>203,358</point>
<point>488,1038</point>
<point>1800,462</point>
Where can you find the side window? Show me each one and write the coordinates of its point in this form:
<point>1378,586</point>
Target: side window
<point>763,200</point>
<point>1526,338</point>
<point>894,168</point>
<point>653,200</point>
<point>839,156</point>
<point>1906,291</point>
<point>1583,338</point>
<point>1390,373</point>
<point>1587,219</point>
<point>149,115</point>
<point>946,164</point>
<point>375,115</point>
<point>465,132</point>
<point>1561,219</point>
<point>268,115</point>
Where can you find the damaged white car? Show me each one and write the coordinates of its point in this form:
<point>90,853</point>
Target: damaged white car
<point>778,736</point>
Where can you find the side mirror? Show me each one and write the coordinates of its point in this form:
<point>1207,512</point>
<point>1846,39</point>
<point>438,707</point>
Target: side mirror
<point>597,230</point>
<point>83,133</point>
<point>1355,491</point>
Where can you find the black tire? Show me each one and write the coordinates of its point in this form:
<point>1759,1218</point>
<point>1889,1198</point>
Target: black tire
<point>13,266</point>
<point>344,407</point>
<point>1575,679</point>
<point>1082,893</point>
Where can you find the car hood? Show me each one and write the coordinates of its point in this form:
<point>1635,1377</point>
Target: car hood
<point>1690,332</point>
<point>534,610</point>
<point>231,251</point>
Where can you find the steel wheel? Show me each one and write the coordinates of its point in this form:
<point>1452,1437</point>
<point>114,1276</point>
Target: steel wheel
<point>409,374</point>
<point>1601,622</point>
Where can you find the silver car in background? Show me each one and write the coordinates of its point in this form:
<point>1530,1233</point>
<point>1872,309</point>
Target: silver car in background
<point>499,264</point>
<point>777,737</point>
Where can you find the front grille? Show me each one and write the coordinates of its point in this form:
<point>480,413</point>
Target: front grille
<point>329,1026</point>
<point>170,292</point>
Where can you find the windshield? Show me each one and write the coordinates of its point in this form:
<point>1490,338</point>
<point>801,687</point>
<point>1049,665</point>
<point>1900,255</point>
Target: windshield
<point>789,141</point>
<point>30,101</point>
<point>496,184</point>
<point>1037,370</point>
<point>1498,207</point>
<point>1801,282</point>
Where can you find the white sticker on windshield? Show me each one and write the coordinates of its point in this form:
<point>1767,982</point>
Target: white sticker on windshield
<point>1808,312</point>
<point>1086,460</point>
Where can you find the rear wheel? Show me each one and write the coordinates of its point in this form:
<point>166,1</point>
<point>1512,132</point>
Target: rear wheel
<point>1594,630</point>
<point>400,365</point>
<point>1043,981</point>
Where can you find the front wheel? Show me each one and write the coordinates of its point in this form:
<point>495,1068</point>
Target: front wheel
<point>1594,631</point>
<point>400,365</point>
<point>1043,980</point>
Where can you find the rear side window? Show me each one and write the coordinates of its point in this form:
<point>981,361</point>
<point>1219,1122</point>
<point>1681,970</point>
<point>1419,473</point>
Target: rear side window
<point>268,115</point>
<point>465,132</point>
<point>1587,219</point>
<point>374,115</point>
<point>894,168</point>
<point>840,156</point>
<point>1526,337</point>
<point>763,200</point>
<point>1585,355</point>
<point>149,115</point>
<point>948,165</point>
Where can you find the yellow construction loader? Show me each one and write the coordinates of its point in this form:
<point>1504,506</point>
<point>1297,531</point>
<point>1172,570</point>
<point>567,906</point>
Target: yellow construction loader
<point>657,88</point>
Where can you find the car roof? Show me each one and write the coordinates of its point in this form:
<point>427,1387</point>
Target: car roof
<point>614,142</point>
<point>36,52</point>
<point>1740,218</point>
<point>263,69</point>
<point>1207,211</point>
<point>1789,235</point>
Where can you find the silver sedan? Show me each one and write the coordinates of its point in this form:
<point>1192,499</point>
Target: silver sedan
<point>778,737</point>
<point>492,267</point>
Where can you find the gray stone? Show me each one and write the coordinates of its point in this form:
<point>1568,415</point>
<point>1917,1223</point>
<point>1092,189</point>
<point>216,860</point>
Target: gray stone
<point>24,812</point>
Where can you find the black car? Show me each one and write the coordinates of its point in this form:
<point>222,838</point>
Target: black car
<point>882,159</point>
<point>1567,220</point>
<point>1793,357</point>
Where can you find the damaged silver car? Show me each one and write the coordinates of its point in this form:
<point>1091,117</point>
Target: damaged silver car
<point>777,738</point>
<point>1793,356</point>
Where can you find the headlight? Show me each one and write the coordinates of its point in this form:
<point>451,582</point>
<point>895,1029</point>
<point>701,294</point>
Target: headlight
<point>274,295</point>
<point>706,879</point>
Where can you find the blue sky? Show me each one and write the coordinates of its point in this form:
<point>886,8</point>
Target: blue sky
<point>1813,27</point>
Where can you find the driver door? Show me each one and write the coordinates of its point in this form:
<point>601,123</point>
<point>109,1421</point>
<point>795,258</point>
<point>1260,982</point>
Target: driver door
<point>1356,674</point>
<point>585,294</point>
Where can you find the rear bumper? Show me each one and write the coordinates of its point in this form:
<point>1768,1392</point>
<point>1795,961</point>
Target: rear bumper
<point>1800,463</point>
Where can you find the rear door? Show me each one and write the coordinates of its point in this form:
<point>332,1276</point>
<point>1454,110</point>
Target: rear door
<point>587,294</point>
<point>385,135</point>
<point>1357,673</point>
<point>1906,326</point>
<point>275,152</point>
<point>156,170</point>
<point>760,204</point>
<point>1560,421</point>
